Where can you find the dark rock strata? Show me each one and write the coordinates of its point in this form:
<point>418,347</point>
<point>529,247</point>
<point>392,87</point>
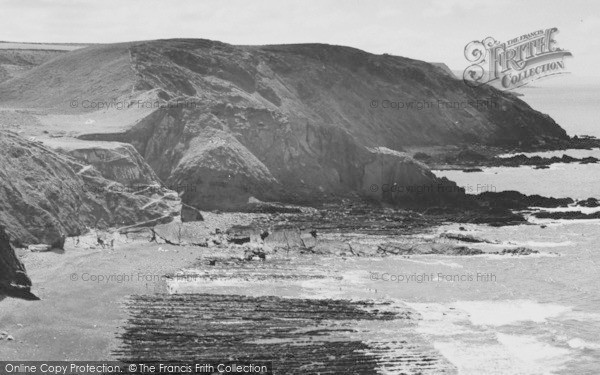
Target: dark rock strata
<point>425,249</point>
<point>299,336</point>
<point>566,215</point>
<point>14,281</point>
<point>590,202</point>
<point>514,200</point>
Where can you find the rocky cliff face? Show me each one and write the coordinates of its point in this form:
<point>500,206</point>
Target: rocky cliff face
<point>292,123</point>
<point>115,161</point>
<point>344,87</point>
<point>46,195</point>
<point>14,281</point>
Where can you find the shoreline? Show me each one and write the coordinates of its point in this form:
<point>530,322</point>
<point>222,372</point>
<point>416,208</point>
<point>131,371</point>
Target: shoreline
<point>473,158</point>
<point>85,287</point>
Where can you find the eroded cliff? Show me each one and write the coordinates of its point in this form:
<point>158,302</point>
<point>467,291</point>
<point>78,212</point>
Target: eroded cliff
<point>46,195</point>
<point>300,123</point>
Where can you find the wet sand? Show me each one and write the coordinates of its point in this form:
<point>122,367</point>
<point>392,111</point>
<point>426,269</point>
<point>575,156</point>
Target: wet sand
<point>95,302</point>
<point>77,317</point>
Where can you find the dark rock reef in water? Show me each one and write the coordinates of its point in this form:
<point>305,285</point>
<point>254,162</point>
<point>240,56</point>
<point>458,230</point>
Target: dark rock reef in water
<point>476,156</point>
<point>14,281</point>
<point>537,161</point>
<point>567,215</point>
<point>291,123</point>
<point>45,196</point>
<point>426,248</point>
<point>514,200</point>
<point>463,237</point>
<point>590,202</point>
<point>518,251</point>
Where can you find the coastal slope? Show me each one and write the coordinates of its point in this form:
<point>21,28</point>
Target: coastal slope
<point>46,196</point>
<point>294,123</point>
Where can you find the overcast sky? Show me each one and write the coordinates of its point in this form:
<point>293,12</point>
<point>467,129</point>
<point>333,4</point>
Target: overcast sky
<point>430,30</point>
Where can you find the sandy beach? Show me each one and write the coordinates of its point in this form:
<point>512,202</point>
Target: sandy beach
<point>79,314</point>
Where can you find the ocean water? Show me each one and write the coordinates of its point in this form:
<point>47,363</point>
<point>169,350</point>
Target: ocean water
<point>573,102</point>
<point>542,313</point>
<point>578,181</point>
<point>493,314</point>
<point>485,314</point>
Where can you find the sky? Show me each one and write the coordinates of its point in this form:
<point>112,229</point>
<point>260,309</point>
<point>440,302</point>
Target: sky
<point>430,30</point>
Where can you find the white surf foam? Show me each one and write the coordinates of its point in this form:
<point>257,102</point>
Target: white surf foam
<point>578,343</point>
<point>530,256</point>
<point>561,222</point>
<point>484,350</point>
<point>585,210</point>
<point>537,356</point>
<point>434,262</point>
<point>533,244</point>
<point>497,313</point>
<point>475,357</point>
<point>440,320</point>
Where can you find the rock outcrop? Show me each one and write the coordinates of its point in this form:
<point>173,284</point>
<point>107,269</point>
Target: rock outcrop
<point>46,195</point>
<point>190,214</point>
<point>219,172</point>
<point>514,200</point>
<point>14,281</point>
<point>115,161</point>
<point>590,202</point>
<point>566,215</point>
<point>426,248</point>
<point>473,158</point>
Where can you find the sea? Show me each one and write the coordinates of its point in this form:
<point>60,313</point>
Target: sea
<point>541,315</point>
<point>496,314</point>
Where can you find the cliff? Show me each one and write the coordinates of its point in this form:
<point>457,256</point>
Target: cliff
<point>14,281</point>
<point>46,195</point>
<point>298,123</point>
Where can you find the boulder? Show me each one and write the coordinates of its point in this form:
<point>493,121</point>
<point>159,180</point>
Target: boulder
<point>189,213</point>
<point>39,248</point>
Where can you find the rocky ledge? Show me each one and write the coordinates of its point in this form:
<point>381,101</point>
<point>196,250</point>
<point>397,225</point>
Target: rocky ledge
<point>14,281</point>
<point>297,336</point>
<point>46,196</point>
<point>566,215</point>
<point>472,158</point>
<point>513,200</point>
